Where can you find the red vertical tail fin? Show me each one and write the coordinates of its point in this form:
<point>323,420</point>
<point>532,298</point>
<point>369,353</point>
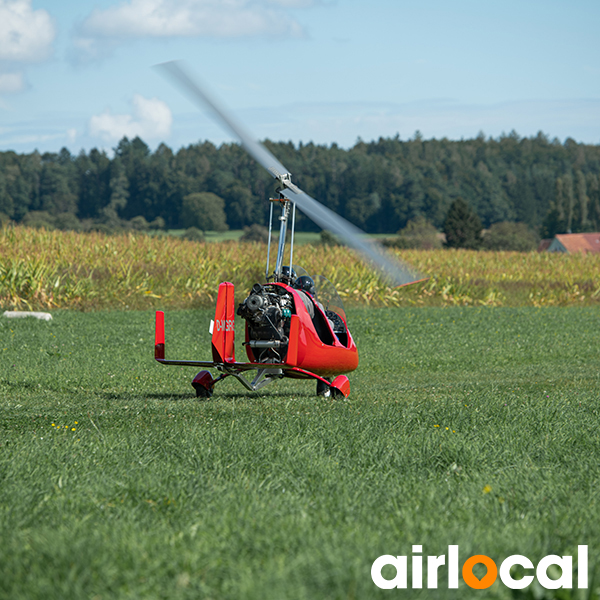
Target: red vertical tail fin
<point>223,333</point>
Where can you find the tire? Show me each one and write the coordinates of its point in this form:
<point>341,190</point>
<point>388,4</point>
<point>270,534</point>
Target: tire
<point>203,393</point>
<point>323,389</point>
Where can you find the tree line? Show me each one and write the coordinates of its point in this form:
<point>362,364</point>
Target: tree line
<point>550,186</point>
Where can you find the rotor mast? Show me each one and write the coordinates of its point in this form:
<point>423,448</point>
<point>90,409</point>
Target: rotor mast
<point>286,182</point>
<point>285,212</point>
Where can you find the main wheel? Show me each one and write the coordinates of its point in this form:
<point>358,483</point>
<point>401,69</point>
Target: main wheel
<point>323,389</point>
<point>203,384</point>
<point>202,392</point>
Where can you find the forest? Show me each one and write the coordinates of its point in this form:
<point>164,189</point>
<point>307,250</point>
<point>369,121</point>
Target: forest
<point>549,185</point>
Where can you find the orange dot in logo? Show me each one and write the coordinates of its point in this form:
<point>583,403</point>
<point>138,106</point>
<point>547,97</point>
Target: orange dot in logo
<point>487,580</point>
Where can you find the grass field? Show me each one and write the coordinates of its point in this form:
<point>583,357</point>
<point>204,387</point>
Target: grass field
<point>469,426</point>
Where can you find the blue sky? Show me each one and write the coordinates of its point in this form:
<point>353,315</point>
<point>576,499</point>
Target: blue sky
<point>79,73</point>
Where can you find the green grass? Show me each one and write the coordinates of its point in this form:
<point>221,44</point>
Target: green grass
<point>476,427</point>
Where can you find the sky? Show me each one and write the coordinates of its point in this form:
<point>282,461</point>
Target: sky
<point>79,73</point>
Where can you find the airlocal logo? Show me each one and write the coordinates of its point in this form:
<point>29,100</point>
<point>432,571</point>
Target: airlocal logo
<point>434,562</point>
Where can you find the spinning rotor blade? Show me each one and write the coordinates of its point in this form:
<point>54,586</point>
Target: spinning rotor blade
<point>399,273</point>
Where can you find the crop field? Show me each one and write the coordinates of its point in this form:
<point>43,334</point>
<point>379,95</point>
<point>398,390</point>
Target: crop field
<point>40,269</point>
<point>474,426</point>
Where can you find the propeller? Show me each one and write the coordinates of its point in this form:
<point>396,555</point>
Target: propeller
<point>398,272</point>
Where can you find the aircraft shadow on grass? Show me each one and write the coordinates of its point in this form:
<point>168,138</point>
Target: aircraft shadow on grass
<point>175,396</point>
<point>178,396</point>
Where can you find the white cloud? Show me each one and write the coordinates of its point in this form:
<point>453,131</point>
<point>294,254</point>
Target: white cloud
<point>102,29</point>
<point>11,83</point>
<point>151,119</point>
<point>25,34</point>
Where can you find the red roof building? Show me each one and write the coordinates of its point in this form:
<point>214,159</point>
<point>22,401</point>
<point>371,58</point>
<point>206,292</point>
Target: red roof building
<point>573,242</point>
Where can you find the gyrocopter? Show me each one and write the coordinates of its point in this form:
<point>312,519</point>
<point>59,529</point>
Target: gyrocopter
<point>295,326</point>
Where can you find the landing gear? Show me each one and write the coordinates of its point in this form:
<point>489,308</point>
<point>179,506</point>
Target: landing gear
<point>338,388</point>
<point>203,384</point>
<point>203,393</point>
<point>323,389</point>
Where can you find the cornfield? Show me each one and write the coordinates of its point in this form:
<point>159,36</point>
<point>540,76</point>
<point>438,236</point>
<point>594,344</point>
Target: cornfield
<point>50,269</point>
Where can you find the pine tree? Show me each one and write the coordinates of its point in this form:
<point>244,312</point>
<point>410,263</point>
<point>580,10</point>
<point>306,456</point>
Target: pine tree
<point>462,226</point>
<point>584,202</point>
<point>119,195</point>
<point>569,200</point>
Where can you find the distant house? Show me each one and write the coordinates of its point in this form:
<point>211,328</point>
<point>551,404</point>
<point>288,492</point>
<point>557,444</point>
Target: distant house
<point>571,243</point>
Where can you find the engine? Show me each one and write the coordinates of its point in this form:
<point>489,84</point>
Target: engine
<point>267,311</point>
